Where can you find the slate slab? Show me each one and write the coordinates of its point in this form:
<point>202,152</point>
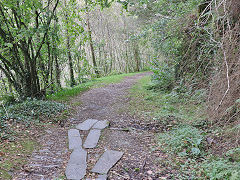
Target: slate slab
<point>107,161</point>
<point>74,139</point>
<point>102,177</point>
<point>77,164</point>
<point>86,125</point>
<point>92,138</point>
<point>101,124</point>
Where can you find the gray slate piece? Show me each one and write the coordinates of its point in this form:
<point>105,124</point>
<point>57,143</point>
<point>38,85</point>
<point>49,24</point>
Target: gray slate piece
<point>101,124</point>
<point>74,139</point>
<point>77,165</point>
<point>102,177</point>
<point>86,125</point>
<point>92,138</point>
<point>107,161</point>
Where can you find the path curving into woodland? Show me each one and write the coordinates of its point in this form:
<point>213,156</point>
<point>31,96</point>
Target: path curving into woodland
<point>105,103</point>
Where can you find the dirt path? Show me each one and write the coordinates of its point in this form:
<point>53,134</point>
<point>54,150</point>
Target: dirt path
<point>105,103</point>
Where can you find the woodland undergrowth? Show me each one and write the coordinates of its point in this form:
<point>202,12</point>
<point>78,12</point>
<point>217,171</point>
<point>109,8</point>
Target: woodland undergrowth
<point>184,133</point>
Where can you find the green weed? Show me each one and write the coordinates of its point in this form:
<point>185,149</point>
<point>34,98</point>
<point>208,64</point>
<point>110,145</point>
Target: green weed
<point>27,112</point>
<point>215,169</point>
<point>184,141</point>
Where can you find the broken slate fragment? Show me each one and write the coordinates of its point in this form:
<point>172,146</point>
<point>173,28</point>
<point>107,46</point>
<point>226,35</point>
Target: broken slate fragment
<point>102,177</point>
<point>86,125</point>
<point>107,161</point>
<point>74,139</point>
<point>101,124</point>
<point>77,164</point>
<point>92,138</point>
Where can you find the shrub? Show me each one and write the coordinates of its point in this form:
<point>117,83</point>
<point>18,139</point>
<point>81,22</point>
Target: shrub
<point>185,141</point>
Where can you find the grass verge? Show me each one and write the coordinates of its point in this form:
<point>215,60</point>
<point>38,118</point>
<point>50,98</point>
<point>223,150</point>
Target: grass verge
<point>66,93</point>
<point>164,107</point>
<point>13,155</point>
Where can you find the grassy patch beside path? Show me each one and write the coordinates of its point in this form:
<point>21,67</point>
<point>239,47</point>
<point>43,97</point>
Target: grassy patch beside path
<point>13,155</point>
<point>67,93</point>
<point>162,105</point>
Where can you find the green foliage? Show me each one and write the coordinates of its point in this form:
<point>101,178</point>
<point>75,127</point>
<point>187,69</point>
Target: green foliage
<point>26,113</point>
<point>221,169</point>
<point>234,154</point>
<point>163,78</point>
<point>184,141</point>
<point>169,108</point>
<point>66,93</point>
<point>8,99</point>
<point>177,36</point>
<point>31,109</point>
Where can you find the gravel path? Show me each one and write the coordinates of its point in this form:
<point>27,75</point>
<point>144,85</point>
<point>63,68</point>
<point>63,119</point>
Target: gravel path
<point>106,103</point>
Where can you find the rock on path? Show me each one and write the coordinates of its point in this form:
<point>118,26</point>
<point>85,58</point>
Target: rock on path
<point>101,124</point>
<point>76,168</point>
<point>86,125</point>
<point>77,164</point>
<point>107,160</point>
<point>92,138</point>
<point>74,139</point>
<point>102,177</point>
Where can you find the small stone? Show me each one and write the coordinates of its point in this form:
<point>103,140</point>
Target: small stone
<point>107,161</point>
<point>101,124</point>
<point>77,164</point>
<point>92,138</point>
<point>74,139</point>
<point>102,177</point>
<point>86,125</point>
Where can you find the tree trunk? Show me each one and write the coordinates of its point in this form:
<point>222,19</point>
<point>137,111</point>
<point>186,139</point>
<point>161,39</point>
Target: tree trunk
<point>91,42</point>
<point>92,48</point>
<point>57,70</point>
<point>70,62</point>
<point>136,57</point>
